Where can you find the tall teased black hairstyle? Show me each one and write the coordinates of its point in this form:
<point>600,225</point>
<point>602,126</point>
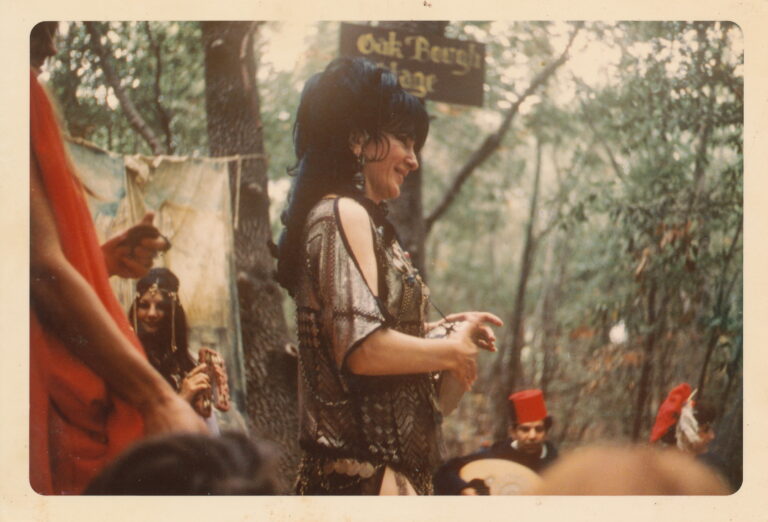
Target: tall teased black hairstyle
<point>167,349</point>
<point>351,97</point>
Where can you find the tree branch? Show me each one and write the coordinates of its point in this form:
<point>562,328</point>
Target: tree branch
<point>562,192</point>
<point>510,372</point>
<point>493,141</point>
<point>135,120</point>
<point>162,113</point>
<point>598,135</point>
<point>615,164</point>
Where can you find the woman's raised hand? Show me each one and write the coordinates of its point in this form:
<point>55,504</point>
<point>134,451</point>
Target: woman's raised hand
<point>472,333</point>
<point>130,254</point>
<point>194,382</point>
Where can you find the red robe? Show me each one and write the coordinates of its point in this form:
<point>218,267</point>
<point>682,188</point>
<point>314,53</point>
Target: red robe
<point>76,423</point>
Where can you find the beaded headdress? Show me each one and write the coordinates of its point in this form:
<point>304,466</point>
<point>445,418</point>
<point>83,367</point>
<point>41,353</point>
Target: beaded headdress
<point>160,279</point>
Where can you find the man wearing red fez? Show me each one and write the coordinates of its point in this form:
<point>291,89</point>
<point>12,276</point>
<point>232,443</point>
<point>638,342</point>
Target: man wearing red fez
<point>526,444</point>
<point>528,429</point>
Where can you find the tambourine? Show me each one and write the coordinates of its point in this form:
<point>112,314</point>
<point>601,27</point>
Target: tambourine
<point>218,395</point>
<point>503,477</point>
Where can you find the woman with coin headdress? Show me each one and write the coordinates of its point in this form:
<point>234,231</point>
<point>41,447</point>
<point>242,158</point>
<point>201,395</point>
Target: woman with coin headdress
<point>161,325</point>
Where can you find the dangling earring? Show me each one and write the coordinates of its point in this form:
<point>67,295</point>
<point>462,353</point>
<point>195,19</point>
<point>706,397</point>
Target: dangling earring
<point>360,162</point>
<point>359,179</point>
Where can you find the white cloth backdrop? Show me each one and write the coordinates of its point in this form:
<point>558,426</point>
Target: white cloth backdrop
<point>191,201</point>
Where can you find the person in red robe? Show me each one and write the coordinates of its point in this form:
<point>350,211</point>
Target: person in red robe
<point>92,390</point>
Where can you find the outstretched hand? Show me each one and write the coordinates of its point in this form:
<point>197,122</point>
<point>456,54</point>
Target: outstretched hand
<point>481,334</point>
<point>473,333</point>
<point>130,253</point>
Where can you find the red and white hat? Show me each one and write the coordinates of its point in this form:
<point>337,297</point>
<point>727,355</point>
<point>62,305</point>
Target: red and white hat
<point>528,406</point>
<point>669,410</point>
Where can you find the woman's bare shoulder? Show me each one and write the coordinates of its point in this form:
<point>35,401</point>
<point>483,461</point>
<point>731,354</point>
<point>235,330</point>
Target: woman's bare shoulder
<point>350,211</point>
<point>340,213</point>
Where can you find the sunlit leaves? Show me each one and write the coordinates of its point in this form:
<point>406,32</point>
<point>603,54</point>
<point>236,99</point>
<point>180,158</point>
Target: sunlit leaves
<point>90,108</point>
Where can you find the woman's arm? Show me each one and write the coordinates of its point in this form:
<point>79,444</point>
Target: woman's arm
<point>388,352</point>
<point>67,305</point>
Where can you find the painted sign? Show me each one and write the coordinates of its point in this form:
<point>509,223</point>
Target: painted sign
<point>428,66</point>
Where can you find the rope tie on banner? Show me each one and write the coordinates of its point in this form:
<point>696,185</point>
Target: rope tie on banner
<point>155,161</point>
<point>238,158</point>
<point>235,157</point>
<point>238,189</point>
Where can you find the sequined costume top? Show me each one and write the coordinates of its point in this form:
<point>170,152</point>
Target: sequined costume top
<point>374,421</point>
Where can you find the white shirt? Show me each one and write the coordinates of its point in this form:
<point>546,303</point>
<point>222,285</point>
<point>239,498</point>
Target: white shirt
<point>543,449</point>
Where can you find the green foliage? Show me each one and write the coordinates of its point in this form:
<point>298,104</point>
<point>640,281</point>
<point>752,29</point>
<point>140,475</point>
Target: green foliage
<point>641,192</point>
<point>89,105</point>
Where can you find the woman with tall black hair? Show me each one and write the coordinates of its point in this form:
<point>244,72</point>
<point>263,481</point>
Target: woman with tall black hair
<point>370,416</point>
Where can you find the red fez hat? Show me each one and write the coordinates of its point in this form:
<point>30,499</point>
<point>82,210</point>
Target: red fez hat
<point>529,406</point>
<point>669,411</point>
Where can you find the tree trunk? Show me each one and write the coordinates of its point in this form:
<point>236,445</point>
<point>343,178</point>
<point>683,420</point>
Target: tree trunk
<point>643,389</point>
<point>563,426</point>
<point>234,128</point>
<point>549,317</point>
<point>721,309</point>
<point>510,376</point>
<point>164,118</point>
<point>729,444</point>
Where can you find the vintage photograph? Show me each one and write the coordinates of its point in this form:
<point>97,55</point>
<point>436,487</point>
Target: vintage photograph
<point>444,258</point>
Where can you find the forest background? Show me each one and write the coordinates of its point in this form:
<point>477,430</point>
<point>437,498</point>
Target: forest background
<point>594,202</point>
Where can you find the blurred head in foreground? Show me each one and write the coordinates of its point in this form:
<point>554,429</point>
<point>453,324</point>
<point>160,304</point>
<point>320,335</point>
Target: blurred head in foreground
<point>190,464</point>
<point>637,470</point>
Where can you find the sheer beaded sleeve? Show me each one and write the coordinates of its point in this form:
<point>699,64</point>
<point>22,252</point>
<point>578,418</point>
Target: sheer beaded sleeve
<point>350,311</point>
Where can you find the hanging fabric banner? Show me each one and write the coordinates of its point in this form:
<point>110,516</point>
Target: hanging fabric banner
<point>191,201</point>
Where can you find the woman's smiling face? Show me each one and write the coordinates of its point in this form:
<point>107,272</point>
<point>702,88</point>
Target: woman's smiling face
<point>151,310</point>
<point>383,177</point>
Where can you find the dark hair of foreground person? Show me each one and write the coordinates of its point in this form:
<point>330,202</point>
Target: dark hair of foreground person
<point>190,464</point>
